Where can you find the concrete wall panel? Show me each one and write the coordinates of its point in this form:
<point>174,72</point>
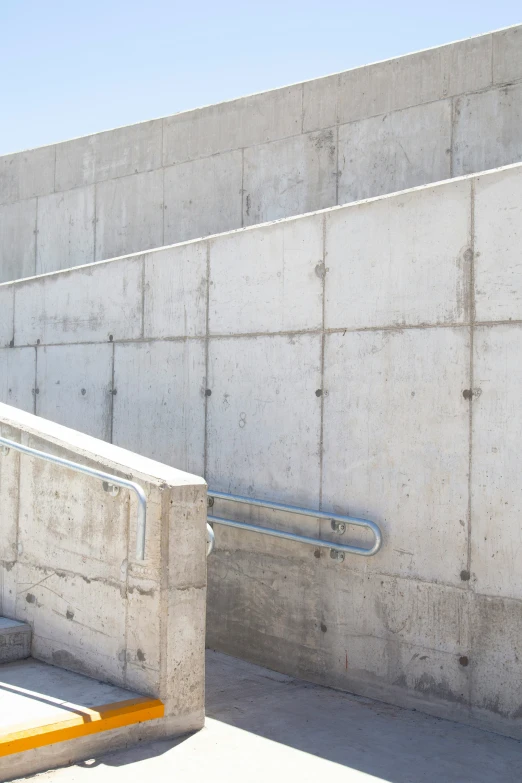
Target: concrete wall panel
<point>267,280</point>
<point>264,417</point>
<point>75,387</point>
<point>255,119</point>
<point>129,214</point>
<point>394,404</point>
<point>77,625</point>
<point>65,230</point>
<point>418,78</point>
<point>103,156</point>
<point>487,130</point>
<point>6,315</point>
<point>93,304</point>
<point>203,197</point>
<point>320,103</point>
<point>400,260</point>
<point>498,246</point>
<point>26,174</point>
<point>497,430</point>
<point>17,240</point>
<point>290,177</point>
<point>507,55</point>
<point>168,380</point>
<point>17,377</point>
<point>73,573</point>
<point>398,151</point>
<point>274,155</point>
<point>176,291</point>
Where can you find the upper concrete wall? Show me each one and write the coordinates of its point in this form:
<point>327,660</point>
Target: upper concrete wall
<point>421,118</point>
<point>362,360</point>
<point>68,565</point>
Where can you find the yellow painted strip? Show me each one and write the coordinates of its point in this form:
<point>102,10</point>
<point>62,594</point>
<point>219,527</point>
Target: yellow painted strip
<point>96,719</point>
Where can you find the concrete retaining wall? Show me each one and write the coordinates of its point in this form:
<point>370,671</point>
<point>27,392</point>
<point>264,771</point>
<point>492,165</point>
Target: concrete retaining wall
<point>362,360</point>
<point>422,118</point>
<point>68,566</point>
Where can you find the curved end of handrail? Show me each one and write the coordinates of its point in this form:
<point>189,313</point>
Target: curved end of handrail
<point>141,529</point>
<point>211,540</point>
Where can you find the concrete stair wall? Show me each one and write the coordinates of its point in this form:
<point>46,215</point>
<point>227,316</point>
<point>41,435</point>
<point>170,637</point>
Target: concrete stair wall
<point>15,640</point>
<point>358,360</point>
<point>416,119</point>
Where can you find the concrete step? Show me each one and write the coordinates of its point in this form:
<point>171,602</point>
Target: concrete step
<point>15,640</point>
<point>45,710</point>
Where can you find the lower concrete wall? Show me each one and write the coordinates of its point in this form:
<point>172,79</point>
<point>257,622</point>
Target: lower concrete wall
<point>68,565</point>
<point>363,360</point>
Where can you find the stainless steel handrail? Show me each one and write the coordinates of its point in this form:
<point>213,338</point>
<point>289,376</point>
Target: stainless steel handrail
<point>108,477</point>
<point>211,540</point>
<point>338,522</point>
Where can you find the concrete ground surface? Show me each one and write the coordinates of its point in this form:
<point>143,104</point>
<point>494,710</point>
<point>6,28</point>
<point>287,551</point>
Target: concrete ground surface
<point>33,693</point>
<point>263,726</point>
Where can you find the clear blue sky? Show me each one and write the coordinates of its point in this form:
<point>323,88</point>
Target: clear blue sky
<point>78,66</point>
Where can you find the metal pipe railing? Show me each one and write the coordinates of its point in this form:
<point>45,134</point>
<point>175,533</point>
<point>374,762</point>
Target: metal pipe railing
<point>112,481</point>
<point>338,523</point>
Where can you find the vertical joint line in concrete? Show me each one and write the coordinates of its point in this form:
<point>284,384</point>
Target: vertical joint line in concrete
<point>336,166</point>
<point>242,187</point>
<point>452,124</point>
<point>302,107</point>
<point>471,376</point>
<point>492,61</point>
<point>35,378</point>
<point>162,206</point>
<point>323,390</point>
<point>205,439</point>
<point>111,402</point>
<point>95,220</point>
<point>54,170</point>
<point>126,602</point>
<point>14,310</point>
<point>142,297</point>
<point>36,237</point>
<point>162,151</point>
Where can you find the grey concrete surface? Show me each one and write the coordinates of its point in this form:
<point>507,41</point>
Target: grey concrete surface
<point>263,726</point>
<point>15,640</point>
<point>420,118</point>
<point>33,693</point>
<point>68,565</point>
<point>360,360</point>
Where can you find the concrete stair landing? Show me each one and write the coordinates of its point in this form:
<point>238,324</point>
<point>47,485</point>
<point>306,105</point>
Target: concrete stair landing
<point>42,705</point>
<point>15,640</point>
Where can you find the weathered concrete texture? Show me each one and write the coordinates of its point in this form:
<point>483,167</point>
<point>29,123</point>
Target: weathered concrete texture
<point>129,214</point>
<point>65,230</point>
<point>75,387</point>
<point>487,130</point>
<point>17,239</point>
<point>264,398</point>
<point>498,246</point>
<point>280,728</point>
<point>168,378</point>
<point>69,569</point>
<point>15,644</point>
<point>279,267</point>
<point>403,260</point>
<point>335,361</point>
<point>397,151</point>
<point>203,197</point>
<point>17,377</point>
<point>95,304</point>
<point>290,177</point>
<point>396,124</point>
